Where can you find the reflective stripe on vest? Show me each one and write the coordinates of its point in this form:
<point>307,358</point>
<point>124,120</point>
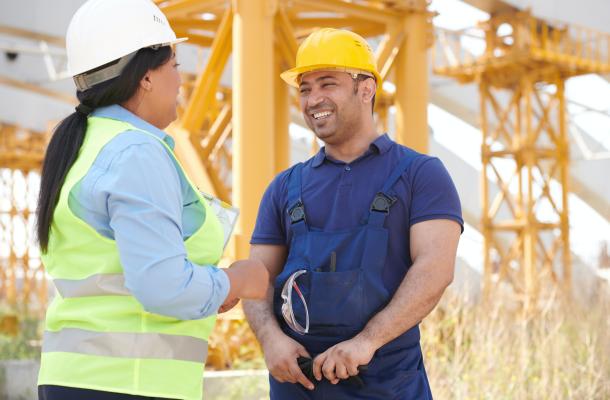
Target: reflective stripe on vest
<point>94,285</point>
<point>126,345</point>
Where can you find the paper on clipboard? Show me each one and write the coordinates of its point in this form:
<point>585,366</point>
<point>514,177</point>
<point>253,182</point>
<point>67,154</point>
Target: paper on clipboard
<point>226,213</point>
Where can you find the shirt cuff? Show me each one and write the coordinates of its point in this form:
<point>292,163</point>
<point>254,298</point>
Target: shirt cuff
<point>220,289</point>
<point>429,217</point>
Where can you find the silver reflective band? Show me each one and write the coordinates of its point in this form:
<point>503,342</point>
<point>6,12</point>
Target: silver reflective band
<point>126,345</point>
<point>87,80</point>
<point>95,285</point>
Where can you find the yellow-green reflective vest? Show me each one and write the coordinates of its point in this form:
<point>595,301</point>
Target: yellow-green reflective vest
<point>97,335</point>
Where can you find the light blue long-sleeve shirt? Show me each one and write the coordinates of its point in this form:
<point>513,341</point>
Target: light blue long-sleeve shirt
<point>134,195</point>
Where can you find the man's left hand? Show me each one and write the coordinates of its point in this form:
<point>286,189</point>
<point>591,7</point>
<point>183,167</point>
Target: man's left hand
<point>343,359</point>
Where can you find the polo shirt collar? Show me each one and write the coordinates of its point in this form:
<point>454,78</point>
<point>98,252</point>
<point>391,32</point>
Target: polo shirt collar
<point>380,145</point>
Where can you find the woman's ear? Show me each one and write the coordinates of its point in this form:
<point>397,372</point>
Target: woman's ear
<point>146,82</point>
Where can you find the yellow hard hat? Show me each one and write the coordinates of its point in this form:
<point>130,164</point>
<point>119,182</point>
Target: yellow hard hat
<point>333,49</point>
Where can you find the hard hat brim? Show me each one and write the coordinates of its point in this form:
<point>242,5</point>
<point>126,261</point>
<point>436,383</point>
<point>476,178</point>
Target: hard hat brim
<point>170,43</point>
<point>291,76</point>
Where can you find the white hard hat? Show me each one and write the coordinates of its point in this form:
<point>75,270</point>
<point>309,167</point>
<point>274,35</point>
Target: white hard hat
<point>102,31</point>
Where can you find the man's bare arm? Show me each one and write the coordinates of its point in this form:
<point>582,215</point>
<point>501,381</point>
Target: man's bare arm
<point>433,250</point>
<point>260,312</point>
<point>280,351</point>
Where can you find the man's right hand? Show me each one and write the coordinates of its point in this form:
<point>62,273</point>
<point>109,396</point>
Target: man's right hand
<point>281,353</point>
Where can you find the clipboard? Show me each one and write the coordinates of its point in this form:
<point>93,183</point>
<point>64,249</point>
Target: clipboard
<point>226,214</point>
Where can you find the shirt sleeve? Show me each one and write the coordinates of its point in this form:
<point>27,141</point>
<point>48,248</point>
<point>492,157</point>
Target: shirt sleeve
<point>434,194</point>
<point>269,228</point>
<point>144,203</point>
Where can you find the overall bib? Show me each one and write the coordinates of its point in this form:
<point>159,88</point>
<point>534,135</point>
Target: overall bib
<point>342,295</point>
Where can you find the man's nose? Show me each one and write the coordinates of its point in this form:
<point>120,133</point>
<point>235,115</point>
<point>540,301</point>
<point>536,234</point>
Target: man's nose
<point>314,99</point>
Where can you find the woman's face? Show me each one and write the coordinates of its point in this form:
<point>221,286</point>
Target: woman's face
<point>163,95</point>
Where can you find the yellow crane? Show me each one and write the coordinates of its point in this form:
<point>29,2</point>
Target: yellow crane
<point>521,77</point>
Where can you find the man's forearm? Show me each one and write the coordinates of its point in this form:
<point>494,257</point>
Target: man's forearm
<point>259,314</point>
<point>416,297</point>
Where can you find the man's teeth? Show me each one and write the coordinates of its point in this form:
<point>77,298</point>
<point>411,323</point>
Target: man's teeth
<point>322,114</point>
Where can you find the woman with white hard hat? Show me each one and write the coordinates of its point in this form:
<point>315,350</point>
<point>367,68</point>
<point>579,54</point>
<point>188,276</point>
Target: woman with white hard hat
<point>129,241</point>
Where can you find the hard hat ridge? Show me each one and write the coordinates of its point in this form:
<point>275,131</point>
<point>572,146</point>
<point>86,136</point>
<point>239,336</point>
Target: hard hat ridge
<point>103,31</point>
<point>333,49</point>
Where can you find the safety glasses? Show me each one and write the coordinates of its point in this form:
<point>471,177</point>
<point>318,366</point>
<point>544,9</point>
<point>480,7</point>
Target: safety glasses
<point>287,311</point>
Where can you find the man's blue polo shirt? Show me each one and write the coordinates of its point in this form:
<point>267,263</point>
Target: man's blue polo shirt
<point>337,196</point>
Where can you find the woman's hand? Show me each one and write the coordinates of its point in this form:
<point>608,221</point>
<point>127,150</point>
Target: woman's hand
<point>249,280</point>
<point>227,305</point>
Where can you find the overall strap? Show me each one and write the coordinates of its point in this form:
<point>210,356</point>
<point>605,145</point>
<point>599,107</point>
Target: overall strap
<point>380,207</point>
<point>296,208</point>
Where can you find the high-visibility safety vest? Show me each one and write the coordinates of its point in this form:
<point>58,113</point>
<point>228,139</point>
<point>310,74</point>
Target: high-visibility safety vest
<point>97,335</point>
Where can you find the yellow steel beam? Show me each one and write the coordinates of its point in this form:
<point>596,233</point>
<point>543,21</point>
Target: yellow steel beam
<point>204,93</point>
<point>486,228</point>
<point>529,232</point>
<point>285,38</point>
<point>187,24</point>
<point>533,136</point>
<point>491,6</point>
<point>388,49</point>
<point>195,38</point>
<point>282,118</point>
<point>199,107</point>
<point>354,10</point>
<point>31,35</point>
<point>21,149</point>
<point>563,157</point>
<point>180,8</point>
<point>216,130</point>
<point>189,158</point>
<point>22,280</point>
<point>411,72</point>
<point>253,122</point>
<point>30,87</point>
<point>362,27</point>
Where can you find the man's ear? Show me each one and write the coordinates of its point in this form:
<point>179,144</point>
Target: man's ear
<point>368,90</point>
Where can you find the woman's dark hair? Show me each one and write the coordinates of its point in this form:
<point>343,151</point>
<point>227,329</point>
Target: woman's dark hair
<point>69,134</point>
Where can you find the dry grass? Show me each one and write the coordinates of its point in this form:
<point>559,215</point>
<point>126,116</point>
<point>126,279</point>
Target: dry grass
<point>487,351</point>
<point>233,345</point>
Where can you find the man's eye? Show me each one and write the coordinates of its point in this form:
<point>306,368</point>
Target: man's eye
<point>329,84</point>
<point>304,90</point>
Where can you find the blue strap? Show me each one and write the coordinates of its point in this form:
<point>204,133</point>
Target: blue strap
<point>398,171</point>
<point>296,208</point>
<point>380,207</point>
<point>294,184</point>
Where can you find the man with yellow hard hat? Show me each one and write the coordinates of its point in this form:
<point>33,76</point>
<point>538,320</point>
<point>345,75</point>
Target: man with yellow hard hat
<point>361,241</point>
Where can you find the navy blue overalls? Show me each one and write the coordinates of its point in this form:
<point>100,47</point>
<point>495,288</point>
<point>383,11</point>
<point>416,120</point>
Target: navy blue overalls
<point>342,299</point>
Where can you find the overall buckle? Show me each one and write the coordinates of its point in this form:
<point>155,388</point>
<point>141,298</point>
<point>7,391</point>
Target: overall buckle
<point>382,203</point>
<point>297,213</point>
